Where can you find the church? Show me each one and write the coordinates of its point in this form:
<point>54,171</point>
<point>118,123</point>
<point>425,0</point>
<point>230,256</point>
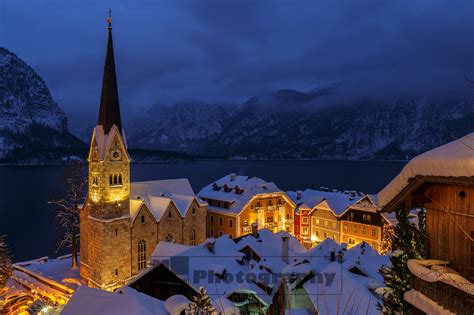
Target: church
<point>122,222</point>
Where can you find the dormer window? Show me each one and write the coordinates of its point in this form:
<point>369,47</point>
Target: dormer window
<point>227,188</point>
<point>215,187</point>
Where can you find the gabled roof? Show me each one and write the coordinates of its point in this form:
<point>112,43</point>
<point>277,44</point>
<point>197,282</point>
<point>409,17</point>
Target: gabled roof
<point>237,190</point>
<point>102,140</point>
<point>157,196</point>
<point>338,202</point>
<point>452,160</point>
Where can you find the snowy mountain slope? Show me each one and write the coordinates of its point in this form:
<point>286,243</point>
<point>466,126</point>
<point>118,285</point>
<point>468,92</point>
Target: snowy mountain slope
<point>31,122</point>
<point>184,126</point>
<point>293,124</point>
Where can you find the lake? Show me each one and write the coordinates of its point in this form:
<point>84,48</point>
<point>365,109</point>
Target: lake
<point>27,219</point>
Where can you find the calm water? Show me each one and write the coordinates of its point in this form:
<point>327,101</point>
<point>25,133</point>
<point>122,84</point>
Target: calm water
<point>24,190</point>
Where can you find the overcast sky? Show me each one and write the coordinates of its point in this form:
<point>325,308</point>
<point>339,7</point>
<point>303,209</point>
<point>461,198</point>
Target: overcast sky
<point>169,50</point>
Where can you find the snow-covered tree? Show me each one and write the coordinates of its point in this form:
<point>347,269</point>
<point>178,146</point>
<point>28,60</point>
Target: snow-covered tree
<point>68,213</point>
<point>5,262</point>
<point>387,238</point>
<point>407,240</point>
<point>201,303</point>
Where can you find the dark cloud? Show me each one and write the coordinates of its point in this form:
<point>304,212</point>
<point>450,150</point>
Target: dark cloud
<point>230,50</point>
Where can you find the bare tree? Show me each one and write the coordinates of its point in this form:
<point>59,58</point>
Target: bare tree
<point>67,213</point>
<point>5,262</point>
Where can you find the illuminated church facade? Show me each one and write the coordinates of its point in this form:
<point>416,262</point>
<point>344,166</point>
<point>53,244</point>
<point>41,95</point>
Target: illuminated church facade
<point>122,222</point>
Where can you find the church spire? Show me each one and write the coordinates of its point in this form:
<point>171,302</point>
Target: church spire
<point>109,112</point>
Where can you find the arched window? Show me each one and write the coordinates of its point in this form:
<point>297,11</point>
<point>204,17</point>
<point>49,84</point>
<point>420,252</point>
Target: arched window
<point>115,179</point>
<point>120,179</point>
<point>141,254</point>
<point>193,238</point>
<point>111,180</point>
<point>169,238</point>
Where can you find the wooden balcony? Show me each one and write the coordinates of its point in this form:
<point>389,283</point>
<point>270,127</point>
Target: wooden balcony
<point>447,296</point>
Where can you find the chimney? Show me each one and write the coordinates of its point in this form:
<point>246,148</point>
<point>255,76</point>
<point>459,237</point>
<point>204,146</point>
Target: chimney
<point>333,255</point>
<point>285,240</point>
<point>211,246</point>
<point>254,230</point>
<point>340,257</point>
<point>232,176</point>
<point>298,195</point>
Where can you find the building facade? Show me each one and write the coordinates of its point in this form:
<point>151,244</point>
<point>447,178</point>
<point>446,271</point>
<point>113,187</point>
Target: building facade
<point>345,217</point>
<point>235,202</point>
<point>121,222</point>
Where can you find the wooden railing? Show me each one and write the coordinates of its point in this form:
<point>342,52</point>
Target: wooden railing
<point>447,296</point>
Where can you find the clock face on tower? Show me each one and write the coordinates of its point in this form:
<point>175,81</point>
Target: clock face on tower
<point>115,155</point>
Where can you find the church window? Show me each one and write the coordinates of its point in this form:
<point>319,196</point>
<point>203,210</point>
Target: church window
<point>115,179</point>
<point>169,215</point>
<point>111,179</point>
<point>141,254</point>
<point>143,219</point>
<point>120,179</point>
<point>95,181</point>
<point>169,238</point>
<point>193,237</point>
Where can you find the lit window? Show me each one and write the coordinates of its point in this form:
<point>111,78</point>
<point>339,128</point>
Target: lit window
<point>317,221</point>
<point>354,229</point>
<point>363,230</point>
<point>334,225</point>
<point>345,228</point>
<point>326,223</point>
<point>351,241</point>
<point>305,231</point>
<point>305,220</point>
<point>141,254</point>
<point>374,232</point>
<point>369,218</point>
<point>192,239</point>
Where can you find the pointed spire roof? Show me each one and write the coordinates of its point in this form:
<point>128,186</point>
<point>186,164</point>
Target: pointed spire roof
<point>109,112</point>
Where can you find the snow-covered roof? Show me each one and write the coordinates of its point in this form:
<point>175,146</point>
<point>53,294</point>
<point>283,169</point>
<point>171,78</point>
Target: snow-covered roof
<point>224,256</point>
<point>338,202</point>
<point>125,301</point>
<point>157,196</point>
<point>238,190</point>
<point>454,159</point>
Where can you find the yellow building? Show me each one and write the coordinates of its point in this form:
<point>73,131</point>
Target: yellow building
<point>236,201</point>
<point>345,217</point>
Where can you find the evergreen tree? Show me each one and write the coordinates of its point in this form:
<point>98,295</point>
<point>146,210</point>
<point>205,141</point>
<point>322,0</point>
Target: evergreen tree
<point>397,277</point>
<point>201,303</point>
<point>5,262</point>
<point>387,238</point>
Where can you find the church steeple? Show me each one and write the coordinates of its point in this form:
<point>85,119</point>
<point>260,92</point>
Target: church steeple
<point>109,112</point>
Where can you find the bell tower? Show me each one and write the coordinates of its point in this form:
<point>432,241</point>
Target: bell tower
<point>105,260</point>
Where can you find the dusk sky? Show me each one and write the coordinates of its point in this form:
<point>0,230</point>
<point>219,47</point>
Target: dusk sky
<point>172,50</point>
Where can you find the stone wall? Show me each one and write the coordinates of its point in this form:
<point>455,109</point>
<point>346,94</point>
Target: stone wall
<point>143,229</point>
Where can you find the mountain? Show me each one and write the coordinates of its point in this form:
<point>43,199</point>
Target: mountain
<point>32,126</point>
<point>290,124</point>
<point>184,126</point>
